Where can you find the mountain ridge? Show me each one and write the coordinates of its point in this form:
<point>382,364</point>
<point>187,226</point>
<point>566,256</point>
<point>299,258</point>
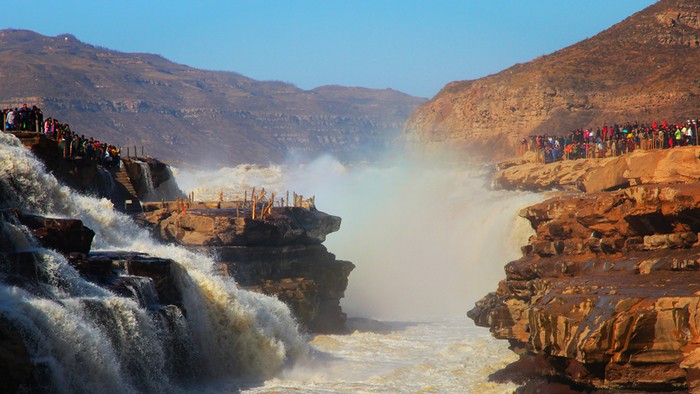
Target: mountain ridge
<point>184,114</point>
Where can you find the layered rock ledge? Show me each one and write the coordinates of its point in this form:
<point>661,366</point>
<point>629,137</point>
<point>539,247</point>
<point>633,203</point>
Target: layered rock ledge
<point>281,255</point>
<point>678,165</point>
<point>607,293</point>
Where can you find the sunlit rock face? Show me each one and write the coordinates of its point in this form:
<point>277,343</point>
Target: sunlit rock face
<point>281,255</point>
<point>607,292</point>
<point>578,86</point>
<point>678,165</point>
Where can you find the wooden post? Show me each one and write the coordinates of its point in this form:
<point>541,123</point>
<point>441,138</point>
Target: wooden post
<point>136,152</point>
<point>287,200</point>
<point>245,198</point>
<point>254,201</point>
<point>271,204</point>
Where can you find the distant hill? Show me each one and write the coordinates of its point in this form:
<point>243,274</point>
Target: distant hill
<point>182,114</point>
<point>645,68</point>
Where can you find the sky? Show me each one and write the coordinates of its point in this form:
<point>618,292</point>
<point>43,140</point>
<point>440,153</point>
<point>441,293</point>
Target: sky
<point>412,46</point>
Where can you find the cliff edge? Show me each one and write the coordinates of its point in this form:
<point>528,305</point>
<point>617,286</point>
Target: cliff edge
<point>641,167</point>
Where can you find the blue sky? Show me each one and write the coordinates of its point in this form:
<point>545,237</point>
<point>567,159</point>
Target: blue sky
<point>413,46</point>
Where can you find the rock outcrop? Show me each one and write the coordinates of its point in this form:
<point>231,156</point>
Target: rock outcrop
<point>281,255</point>
<point>135,180</point>
<point>63,235</point>
<point>607,293</point>
<point>578,86</point>
<point>641,167</point>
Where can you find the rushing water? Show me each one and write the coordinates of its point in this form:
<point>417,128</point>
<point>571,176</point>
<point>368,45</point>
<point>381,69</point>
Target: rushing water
<point>428,241</point>
<point>85,339</point>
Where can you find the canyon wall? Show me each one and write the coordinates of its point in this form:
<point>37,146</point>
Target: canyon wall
<point>605,295</point>
<point>638,70</point>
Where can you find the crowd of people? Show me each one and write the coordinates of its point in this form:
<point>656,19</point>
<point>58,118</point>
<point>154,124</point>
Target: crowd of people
<point>22,118</point>
<point>611,140</point>
<point>70,143</point>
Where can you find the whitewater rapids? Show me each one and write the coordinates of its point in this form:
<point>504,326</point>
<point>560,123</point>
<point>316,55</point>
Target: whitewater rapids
<point>427,242</point>
<point>85,339</point>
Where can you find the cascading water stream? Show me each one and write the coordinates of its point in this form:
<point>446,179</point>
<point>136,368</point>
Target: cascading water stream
<point>428,240</point>
<point>87,339</point>
<point>147,177</point>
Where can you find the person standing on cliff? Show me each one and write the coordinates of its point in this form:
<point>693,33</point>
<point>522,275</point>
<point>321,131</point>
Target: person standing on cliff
<point>24,118</point>
<point>10,120</point>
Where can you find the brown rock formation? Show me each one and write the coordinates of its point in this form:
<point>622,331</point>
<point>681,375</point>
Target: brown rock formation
<point>607,293</point>
<point>678,165</point>
<point>182,114</point>
<point>281,255</point>
<point>651,78</point>
<point>63,235</point>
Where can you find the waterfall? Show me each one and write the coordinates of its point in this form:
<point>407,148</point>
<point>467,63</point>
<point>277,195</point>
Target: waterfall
<point>147,179</point>
<point>83,338</point>
<point>106,182</point>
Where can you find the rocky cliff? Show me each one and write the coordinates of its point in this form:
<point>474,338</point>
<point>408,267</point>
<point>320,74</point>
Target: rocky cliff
<point>135,180</point>
<point>281,254</point>
<point>640,69</point>
<point>641,167</point>
<point>606,294</point>
<point>181,114</point>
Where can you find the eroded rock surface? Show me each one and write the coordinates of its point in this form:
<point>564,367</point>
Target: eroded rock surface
<point>607,293</point>
<point>282,255</point>
<point>678,165</point>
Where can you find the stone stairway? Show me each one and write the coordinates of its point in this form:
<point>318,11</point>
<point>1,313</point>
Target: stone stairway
<point>122,177</point>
